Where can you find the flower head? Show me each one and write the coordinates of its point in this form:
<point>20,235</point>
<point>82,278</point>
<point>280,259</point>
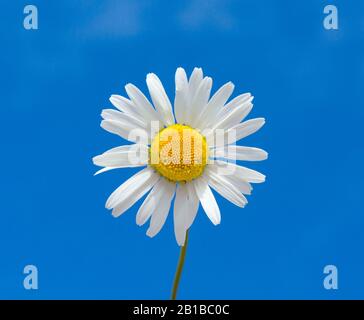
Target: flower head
<point>185,153</point>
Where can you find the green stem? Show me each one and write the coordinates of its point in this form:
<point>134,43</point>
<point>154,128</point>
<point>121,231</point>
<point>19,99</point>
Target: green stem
<point>181,262</point>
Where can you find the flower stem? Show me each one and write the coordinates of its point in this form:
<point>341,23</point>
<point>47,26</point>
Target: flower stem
<point>181,262</point>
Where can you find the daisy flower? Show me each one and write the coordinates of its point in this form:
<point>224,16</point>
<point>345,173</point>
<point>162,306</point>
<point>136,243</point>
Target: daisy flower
<point>186,151</point>
<point>186,178</point>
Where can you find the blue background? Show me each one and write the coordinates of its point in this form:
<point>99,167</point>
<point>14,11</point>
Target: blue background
<point>308,84</point>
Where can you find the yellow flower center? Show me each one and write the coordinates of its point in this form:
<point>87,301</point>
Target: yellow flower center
<point>179,153</point>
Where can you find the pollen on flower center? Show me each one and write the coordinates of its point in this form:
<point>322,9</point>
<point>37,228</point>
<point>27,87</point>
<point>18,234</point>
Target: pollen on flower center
<point>179,153</point>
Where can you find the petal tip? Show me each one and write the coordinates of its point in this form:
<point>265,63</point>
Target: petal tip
<point>115,214</point>
<point>149,233</point>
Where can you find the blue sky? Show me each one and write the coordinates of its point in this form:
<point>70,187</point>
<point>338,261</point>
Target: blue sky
<point>308,84</point>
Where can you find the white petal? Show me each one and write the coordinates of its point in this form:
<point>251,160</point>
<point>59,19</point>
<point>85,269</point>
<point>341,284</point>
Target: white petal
<point>123,129</point>
<point>200,99</point>
<point>240,153</point>
<point>194,81</point>
<point>237,101</point>
<point>111,114</point>
<point>112,168</point>
<point>193,204</point>
<point>115,127</point>
<point>125,147</point>
<point>134,182</point>
<point>141,102</point>
<point>234,116</point>
<point>193,84</point>
<point>225,188</point>
<point>215,105</point>
<point>103,170</point>
<point>207,200</point>
<point>236,133</point>
<point>133,194</point>
<point>133,155</point>
<point>185,210</point>
<point>161,211</point>
<point>160,99</point>
<point>247,174</point>
<point>247,128</point>
<point>151,202</point>
<point>125,105</point>
<point>180,213</point>
<point>180,100</point>
<point>242,185</point>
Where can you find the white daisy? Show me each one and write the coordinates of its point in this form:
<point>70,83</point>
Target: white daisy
<point>201,161</point>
